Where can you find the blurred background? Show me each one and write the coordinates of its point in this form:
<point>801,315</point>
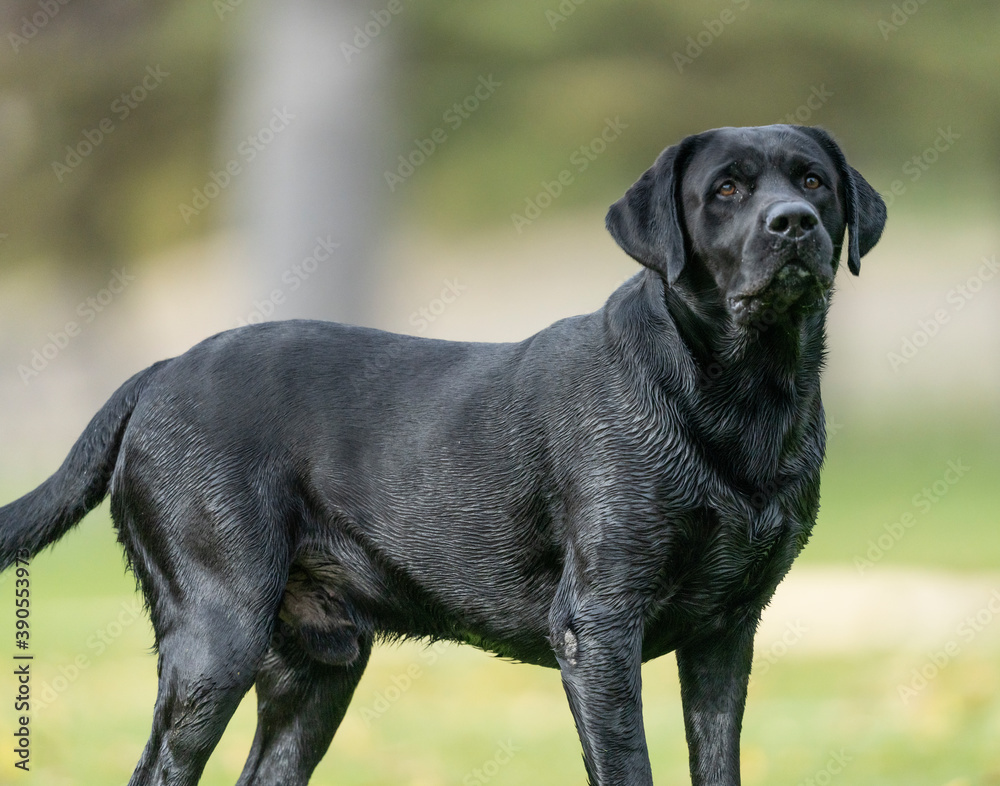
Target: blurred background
<point>170,169</point>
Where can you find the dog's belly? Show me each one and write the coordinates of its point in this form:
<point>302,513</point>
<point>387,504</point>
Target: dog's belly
<point>498,599</point>
<point>332,598</point>
<point>440,577</point>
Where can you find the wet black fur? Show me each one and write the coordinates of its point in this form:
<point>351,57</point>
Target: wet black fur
<point>621,485</point>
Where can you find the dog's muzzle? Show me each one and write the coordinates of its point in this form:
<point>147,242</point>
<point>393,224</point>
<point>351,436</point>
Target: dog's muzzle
<point>793,290</point>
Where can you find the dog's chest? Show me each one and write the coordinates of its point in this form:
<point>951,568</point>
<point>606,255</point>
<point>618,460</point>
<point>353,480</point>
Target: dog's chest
<point>750,504</point>
<point>722,564</point>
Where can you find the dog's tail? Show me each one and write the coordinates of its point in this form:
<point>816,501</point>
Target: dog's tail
<point>44,515</point>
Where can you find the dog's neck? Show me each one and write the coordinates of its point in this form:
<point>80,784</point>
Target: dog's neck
<point>772,348</point>
<point>751,390</point>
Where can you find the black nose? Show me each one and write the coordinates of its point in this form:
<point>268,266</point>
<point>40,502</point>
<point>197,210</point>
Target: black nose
<point>791,220</point>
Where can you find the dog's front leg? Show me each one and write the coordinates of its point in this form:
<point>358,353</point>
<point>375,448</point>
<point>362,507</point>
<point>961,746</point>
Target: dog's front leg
<point>599,649</point>
<point>714,673</point>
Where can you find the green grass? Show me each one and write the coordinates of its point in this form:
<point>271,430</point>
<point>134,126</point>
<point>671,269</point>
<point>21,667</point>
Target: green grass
<point>464,706</point>
<point>873,472</point>
<point>96,676</point>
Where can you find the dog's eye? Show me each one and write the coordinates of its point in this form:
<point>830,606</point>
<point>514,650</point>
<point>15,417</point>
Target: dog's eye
<point>727,189</point>
<point>812,182</point>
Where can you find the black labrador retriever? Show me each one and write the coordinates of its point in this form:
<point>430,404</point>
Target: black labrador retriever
<point>621,485</point>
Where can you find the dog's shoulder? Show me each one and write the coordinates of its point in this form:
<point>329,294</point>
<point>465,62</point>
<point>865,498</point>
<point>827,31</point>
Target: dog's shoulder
<point>641,332</point>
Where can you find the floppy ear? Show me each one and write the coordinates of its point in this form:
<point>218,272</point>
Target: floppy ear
<point>864,208</point>
<point>646,222</point>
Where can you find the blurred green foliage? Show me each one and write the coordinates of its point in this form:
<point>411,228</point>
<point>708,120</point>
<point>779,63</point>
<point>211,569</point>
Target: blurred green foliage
<point>58,86</point>
<point>883,79</point>
<point>885,99</point>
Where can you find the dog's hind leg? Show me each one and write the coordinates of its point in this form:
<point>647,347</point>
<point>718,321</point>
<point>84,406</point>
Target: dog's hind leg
<point>213,579</point>
<point>300,703</point>
<point>208,659</point>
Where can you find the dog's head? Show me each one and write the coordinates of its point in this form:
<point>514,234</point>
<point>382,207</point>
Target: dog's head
<point>762,211</point>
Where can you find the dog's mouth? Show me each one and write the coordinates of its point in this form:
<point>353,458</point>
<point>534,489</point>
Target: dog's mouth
<point>793,291</point>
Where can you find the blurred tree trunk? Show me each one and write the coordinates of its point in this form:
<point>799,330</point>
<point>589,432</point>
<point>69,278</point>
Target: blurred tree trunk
<point>317,183</point>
